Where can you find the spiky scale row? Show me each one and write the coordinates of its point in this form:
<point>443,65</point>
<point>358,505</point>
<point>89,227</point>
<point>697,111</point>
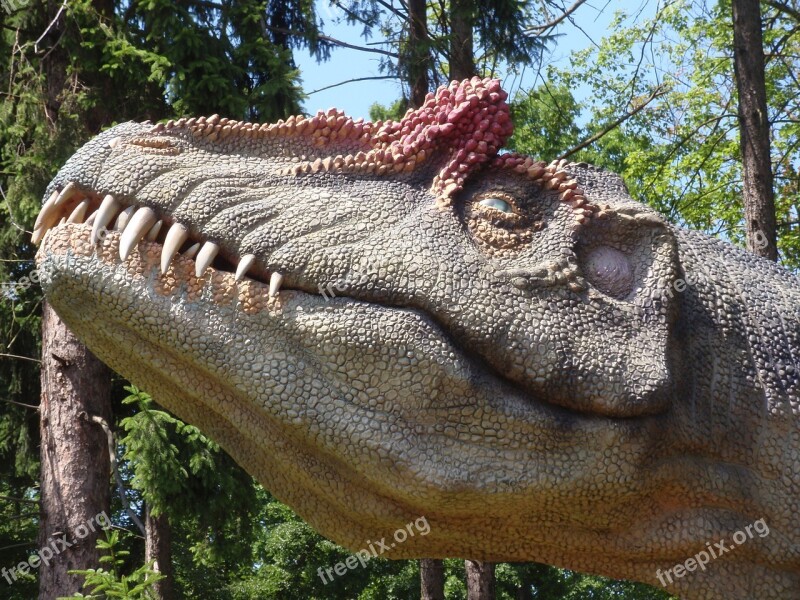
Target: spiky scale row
<point>469,118</point>
<point>554,177</point>
<point>321,129</point>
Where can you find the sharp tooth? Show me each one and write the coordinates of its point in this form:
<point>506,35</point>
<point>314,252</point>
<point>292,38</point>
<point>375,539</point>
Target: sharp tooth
<point>123,218</point>
<point>38,234</point>
<point>244,264</point>
<point>138,225</point>
<point>67,193</point>
<point>91,218</point>
<point>176,236</point>
<point>192,251</point>
<point>153,233</point>
<point>206,255</point>
<point>275,281</point>
<point>47,213</point>
<point>79,212</point>
<point>108,209</point>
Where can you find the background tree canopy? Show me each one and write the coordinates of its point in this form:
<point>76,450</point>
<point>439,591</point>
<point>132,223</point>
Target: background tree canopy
<point>654,100</point>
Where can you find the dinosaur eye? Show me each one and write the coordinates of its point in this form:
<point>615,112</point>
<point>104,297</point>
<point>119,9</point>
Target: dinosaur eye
<point>497,204</point>
<point>500,221</point>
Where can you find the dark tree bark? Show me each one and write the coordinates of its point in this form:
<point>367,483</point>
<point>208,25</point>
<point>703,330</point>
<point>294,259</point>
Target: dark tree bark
<point>462,58</point>
<point>74,456</point>
<point>525,591</point>
<point>431,576</point>
<point>480,580</point>
<point>158,547</point>
<point>75,464</point>
<point>759,198</point>
<point>420,63</point>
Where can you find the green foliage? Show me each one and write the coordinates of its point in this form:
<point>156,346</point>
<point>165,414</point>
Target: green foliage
<point>289,557</point>
<point>394,112</point>
<point>18,528</point>
<point>561,584</point>
<point>505,33</point>
<point>208,499</point>
<point>680,152</point>
<point>545,120</point>
<point>111,582</point>
<point>218,59</point>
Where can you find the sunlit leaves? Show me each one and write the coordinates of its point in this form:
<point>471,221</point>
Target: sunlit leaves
<point>679,154</point>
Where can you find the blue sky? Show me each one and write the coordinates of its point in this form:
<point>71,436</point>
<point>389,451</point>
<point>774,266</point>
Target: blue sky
<point>590,22</point>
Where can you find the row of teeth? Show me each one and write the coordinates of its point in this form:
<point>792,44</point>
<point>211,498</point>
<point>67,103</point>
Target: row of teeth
<point>135,225</point>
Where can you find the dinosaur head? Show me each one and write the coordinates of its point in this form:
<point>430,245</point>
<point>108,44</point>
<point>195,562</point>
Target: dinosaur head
<point>383,321</point>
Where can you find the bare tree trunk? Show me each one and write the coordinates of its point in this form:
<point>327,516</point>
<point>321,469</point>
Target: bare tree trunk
<point>759,198</point>
<point>480,580</point>
<point>158,547</point>
<point>431,577</point>
<point>419,61</point>
<point>462,58</point>
<point>75,464</point>
<point>74,456</point>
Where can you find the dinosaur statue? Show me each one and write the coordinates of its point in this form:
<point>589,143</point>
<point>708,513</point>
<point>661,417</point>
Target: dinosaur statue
<point>542,368</point>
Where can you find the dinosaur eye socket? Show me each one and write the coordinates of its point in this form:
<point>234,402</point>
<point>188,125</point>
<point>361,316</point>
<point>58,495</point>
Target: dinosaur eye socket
<point>500,221</point>
<point>497,204</point>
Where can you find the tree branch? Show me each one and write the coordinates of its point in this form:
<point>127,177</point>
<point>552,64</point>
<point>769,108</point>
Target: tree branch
<point>392,10</point>
<point>657,92</point>
<point>327,87</point>
<point>112,455</point>
<point>49,27</point>
<point>36,360</point>
<point>539,29</point>
<point>30,406</point>
<point>784,8</point>
<point>334,41</point>
<point>12,499</point>
<point>22,516</point>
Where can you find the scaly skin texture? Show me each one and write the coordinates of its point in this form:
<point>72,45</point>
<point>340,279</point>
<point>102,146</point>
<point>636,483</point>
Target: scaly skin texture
<point>543,368</point>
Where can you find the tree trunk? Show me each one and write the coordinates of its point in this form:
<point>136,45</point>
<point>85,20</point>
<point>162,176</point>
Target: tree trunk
<point>748,60</point>
<point>158,547</point>
<point>462,59</point>
<point>431,577</point>
<point>75,463</point>
<point>480,580</point>
<point>525,591</point>
<point>419,54</point>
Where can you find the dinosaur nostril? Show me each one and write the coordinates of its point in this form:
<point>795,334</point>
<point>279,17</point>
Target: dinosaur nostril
<point>610,271</point>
